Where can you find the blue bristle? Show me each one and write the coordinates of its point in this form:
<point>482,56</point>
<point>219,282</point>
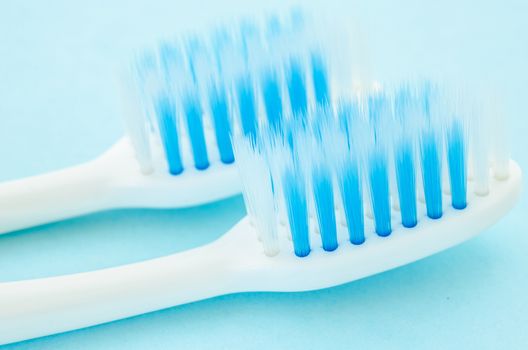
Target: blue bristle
<point>273,26</point>
<point>272,99</point>
<point>404,154</point>
<point>456,157</point>
<point>222,126</point>
<point>220,42</point>
<point>378,109</point>
<point>246,105</point>
<point>324,205</point>
<point>193,113</point>
<point>320,80</point>
<point>194,48</point>
<point>169,56</point>
<point>249,37</point>
<point>406,180</point>
<point>297,90</point>
<point>297,18</point>
<point>351,193</point>
<point>169,134</point>
<point>144,66</point>
<point>432,173</point>
<point>379,189</point>
<point>296,207</point>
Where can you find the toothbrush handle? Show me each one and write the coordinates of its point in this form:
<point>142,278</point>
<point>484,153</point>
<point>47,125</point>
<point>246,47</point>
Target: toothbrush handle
<point>39,307</point>
<point>54,196</point>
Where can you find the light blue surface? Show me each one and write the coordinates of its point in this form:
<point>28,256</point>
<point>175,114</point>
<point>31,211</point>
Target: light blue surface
<point>58,106</point>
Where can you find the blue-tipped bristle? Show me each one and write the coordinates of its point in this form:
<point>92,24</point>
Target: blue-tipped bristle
<point>404,155</point>
<point>193,115</point>
<point>406,180</point>
<point>169,134</point>
<point>431,158</point>
<point>456,158</point>
<point>350,187</point>
<point>379,192</point>
<point>378,165</point>
<point>195,50</point>
<point>320,79</point>
<point>273,26</point>
<point>297,210</point>
<point>324,207</point>
<point>222,125</point>
<point>431,154</point>
<point>170,56</point>
<point>297,89</point>
<point>272,99</point>
<point>348,174</point>
<point>246,106</point>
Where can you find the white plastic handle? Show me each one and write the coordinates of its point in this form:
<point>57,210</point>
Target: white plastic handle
<point>34,308</point>
<point>113,180</point>
<point>54,196</point>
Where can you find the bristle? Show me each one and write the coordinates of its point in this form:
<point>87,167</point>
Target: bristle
<point>258,192</point>
<point>404,155</point>
<point>322,183</point>
<point>348,140</point>
<point>406,180</point>
<point>456,157</point>
<point>193,116</point>
<point>348,174</point>
<point>320,79</point>
<point>222,124</point>
<point>379,192</point>
<point>500,140</point>
<point>271,92</point>
<point>378,164</point>
<point>168,126</point>
<point>297,89</point>
<point>219,95</point>
<point>349,182</point>
<point>479,155</point>
<point>136,129</point>
<point>324,205</point>
<point>430,152</point>
<point>247,108</point>
<point>297,210</point>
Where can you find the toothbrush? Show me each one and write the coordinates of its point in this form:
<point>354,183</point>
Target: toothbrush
<point>183,101</point>
<point>303,173</point>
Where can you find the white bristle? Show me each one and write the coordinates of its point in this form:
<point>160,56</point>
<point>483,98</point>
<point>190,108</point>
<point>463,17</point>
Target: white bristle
<point>501,141</point>
<point>446,185</point>
<point>135,124</point>
<point>420,194</point>
<point>480,149</point>
<point>258,193</point>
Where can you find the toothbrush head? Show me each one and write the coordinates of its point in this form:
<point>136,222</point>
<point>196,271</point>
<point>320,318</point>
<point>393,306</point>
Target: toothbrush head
<point>384,180</point>
<point>189,97</point>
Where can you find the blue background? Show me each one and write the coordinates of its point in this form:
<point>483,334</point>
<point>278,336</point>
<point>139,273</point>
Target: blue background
<point>59,106</point>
